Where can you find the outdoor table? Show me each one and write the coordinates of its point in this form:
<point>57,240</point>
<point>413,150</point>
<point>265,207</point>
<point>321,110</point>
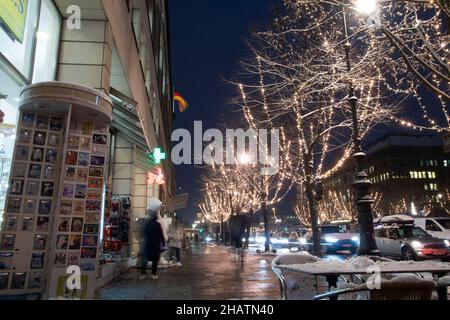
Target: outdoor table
<point>332,270</point>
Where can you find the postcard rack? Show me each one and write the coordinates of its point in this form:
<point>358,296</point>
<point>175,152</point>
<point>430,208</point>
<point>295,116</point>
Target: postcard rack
<point>54,205</point>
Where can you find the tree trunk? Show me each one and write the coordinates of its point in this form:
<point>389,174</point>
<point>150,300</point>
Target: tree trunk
<point>217,233</point>
<point>266,228</point>
<point>222,232</point>
<point>313,212</point>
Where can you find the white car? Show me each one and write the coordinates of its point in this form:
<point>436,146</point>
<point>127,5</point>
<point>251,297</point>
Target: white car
<point>437,227</point>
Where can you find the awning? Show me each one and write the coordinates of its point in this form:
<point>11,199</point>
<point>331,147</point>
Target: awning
<point>177,202</point>
<point>126,120</point>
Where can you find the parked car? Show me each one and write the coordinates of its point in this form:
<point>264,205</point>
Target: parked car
<point>437,227</point>
<point>335,238</point>
<point>410,242</point>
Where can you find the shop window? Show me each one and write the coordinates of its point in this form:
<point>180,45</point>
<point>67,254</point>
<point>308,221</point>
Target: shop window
<point>17,36</point>
<point>47,43</point>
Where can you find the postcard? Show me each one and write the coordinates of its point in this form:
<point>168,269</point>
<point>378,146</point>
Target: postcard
<point>37,261</point>
<point>11,223</point>
<point>22,153</point>
<point>89,241</point>
<point>49,172</point>
<point>51,156</point>
<point>98,150</point>
<point>35,171</point>
<point>87,265</point>
<point>80,191</point>
<point>74,241</point>
<point>40,138</point>
<point>28,119</point>
<point>25,136</point>
<point>73,259</point>
<point>64,225</point>
<point>32,188</point>
<point>29,206</point>
<point>18,280</point>
<point>35,280</point>
<point>97,161</point>
<point>100,139</point>
<point>68,191</point>
<point>56,124</point>
<point>37,155</point>
<point>73,142</point>
<point>14,205</point>
<point>71,158</point>
<point>70,174</point>
<point>16,187</point>
<point>87,128</point>
<point>62,242</point>
<point>60,259</point>
<point>96,172</point>
<point>88,253</point>
<point>27,224</point>
<point>90,228</point>
<point>85,144</point>
<point>42,224</point>
<point>19,170</point>
<point>93,205</point>
<point>77,225</point>
<point>95,183</point>
<point>45,207</point>
<point>83,159</point>
<point>78,209</point>
<point>47,189</point>
<point>66,207</point>
<point>6,261</point>
<point>93,217</point>
<point>7,243</point>
<point>4,280</point>
<point>40,242</point>
<point>42,122</point>
<point>101,128</point>
<point>53,140</point>
<point>82,174</point>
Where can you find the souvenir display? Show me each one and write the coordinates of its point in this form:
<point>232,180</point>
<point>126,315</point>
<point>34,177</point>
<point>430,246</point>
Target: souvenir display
<point>29,206</point>
<point>77,225</point>
<point>39,138</point>
<point>79,207</point>
<point>32,189</point>
<point>4,280</point>
<point>71,158</point>
<point>11,223</point>
<point>98,150</point>
<point>25,136</point>
<point>53,140</point>
<point>87,128</point>
<point>28,120</point>
<point>73,259</point>
<point>6,261</point>
<point>45,207</point>
<point>51,156</point>
<point>117,223</point>
<point>47,189</point>
<point>75,242</point>
<point>64,225</point>
<point>18,280</point>
<point>7,242</point>
<point>49,172</point>
<point>62,242</point>
<point>37,261</point>
<point>42,224</point>
<point>16,187</point>
<point>13,205</point>
<point>82,175</point>
<point>35,171</point>
<point>56,124</point>
<point>35,280</point>
<point>37,155</point>
<point>96,172</point>
<point>66,208</point>
<point>60,260</point>
<point>40,242</point>
<point>100,139</point>
<point>70,174</point>
<point>22,153</point>
<point>42,122</point>
<point>97,161</point>
<point>80,191</point>
<point>85,144</point>
<point>83,159</point>
<point>73,142</point>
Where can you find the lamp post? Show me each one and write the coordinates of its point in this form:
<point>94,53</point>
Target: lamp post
<point>361,182</point>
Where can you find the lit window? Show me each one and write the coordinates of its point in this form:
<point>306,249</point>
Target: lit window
<point>426,187</point>
<point>446,162</point>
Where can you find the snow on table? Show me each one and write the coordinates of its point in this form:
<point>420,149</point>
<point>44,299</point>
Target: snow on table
<point>362,265</point>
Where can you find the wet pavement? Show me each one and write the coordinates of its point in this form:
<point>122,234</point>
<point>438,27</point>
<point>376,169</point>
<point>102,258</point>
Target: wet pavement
<point>208,273</point>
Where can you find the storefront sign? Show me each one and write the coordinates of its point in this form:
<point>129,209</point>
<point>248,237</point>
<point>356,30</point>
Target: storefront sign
<point>13,14</point>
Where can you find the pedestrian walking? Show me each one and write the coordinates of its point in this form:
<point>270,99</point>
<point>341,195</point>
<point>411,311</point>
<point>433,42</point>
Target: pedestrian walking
<point>236,233</point>
<point>152,245</point>
<point>175,240</point>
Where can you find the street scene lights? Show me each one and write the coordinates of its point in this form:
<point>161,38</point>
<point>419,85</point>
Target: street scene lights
<point>366,7</point>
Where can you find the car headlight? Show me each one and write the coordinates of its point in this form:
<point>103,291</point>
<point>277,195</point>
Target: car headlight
<point>302,241</point>
<point>447,243</point>
<point>416,244</point>
<point>355,239</point>
<point>331,240</point>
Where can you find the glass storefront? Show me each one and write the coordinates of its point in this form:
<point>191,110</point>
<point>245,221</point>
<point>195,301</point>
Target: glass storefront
<point>28,54</point>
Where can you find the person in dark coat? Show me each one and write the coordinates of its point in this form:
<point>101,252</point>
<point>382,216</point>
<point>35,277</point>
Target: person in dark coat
<point>152,245</point>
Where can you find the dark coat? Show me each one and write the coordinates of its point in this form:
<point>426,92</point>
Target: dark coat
<point>237,230</point>
<point>153,240</point>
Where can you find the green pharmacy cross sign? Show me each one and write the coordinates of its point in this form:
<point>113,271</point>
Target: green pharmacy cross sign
<point>158,155</point>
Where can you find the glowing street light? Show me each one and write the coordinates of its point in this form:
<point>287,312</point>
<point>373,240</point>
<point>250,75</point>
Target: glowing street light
<point>244,158</point>
<point>366,7</point>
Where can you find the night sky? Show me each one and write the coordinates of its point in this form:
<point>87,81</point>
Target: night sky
<point>207,40</point>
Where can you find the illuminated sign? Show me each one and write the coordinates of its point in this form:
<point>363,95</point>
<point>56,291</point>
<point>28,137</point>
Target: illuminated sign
<point>158,155</point>
<point>13,14</point>
<point>156,178</point>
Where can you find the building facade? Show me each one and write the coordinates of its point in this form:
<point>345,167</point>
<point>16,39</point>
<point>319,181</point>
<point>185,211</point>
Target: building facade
<point>69,52</point>
<point>409,173</point>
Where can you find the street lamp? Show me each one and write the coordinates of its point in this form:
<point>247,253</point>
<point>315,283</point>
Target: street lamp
<point>361,182</point>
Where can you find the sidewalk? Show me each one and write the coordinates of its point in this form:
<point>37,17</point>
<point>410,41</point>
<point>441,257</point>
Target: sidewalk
<point>208,273</point>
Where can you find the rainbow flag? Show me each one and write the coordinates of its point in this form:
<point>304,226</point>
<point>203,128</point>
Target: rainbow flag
<point>182,103</point>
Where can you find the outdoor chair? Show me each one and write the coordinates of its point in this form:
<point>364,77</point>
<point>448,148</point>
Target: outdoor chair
<point>295,285</point>
<point>399,288</point>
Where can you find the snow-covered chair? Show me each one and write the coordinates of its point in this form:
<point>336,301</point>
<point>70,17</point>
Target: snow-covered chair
<point>399,288</point>
<point>295,285</point>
